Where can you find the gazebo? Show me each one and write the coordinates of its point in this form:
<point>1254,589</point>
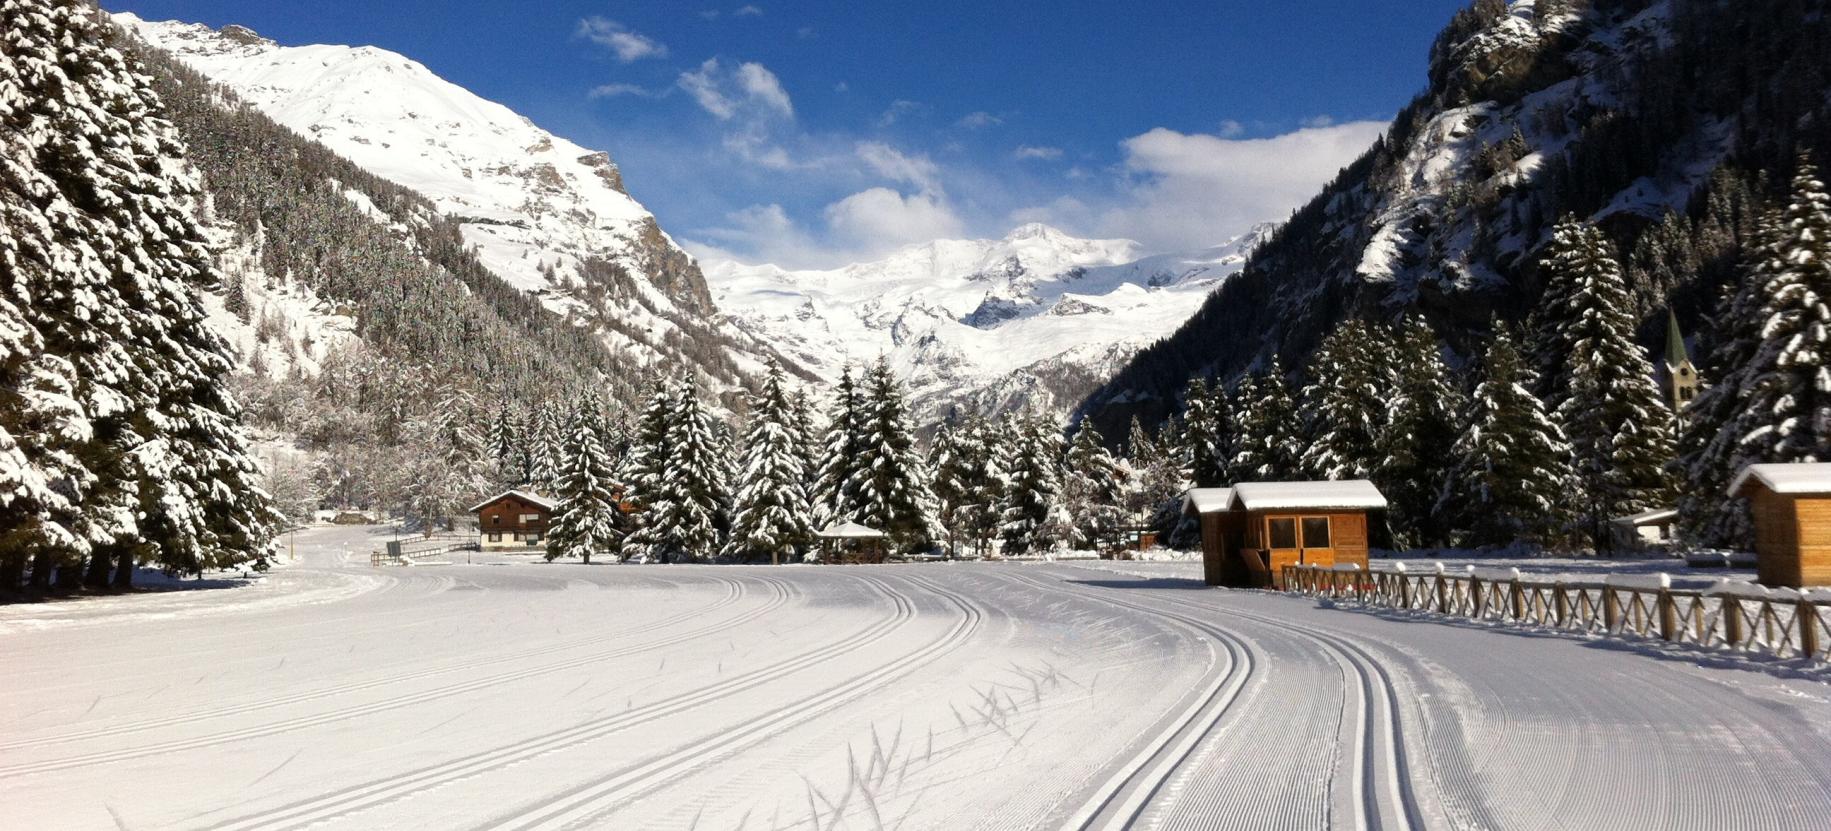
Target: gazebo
<point>851,543</point>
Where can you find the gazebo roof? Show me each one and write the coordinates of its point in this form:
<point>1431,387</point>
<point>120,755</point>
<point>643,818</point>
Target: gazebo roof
<point>848,531</point>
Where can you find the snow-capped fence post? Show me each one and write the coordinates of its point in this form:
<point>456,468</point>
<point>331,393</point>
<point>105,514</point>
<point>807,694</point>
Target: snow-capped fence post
<point>1480,603</point>
<point>1807,619</point>
<point>1731,614</point>
<point>1443,595</point>
<point>1668,609</point>
<point>1516,597</point>
<point>1561,603</point>
<point>1404,587</point>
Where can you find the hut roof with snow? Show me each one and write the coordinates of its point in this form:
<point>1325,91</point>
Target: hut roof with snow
<point>1348,494</point>
<point>849,531</point>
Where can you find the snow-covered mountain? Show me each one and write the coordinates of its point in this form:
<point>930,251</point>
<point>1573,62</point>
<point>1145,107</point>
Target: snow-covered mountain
<point>1038,317</point>
<point>546,215</point>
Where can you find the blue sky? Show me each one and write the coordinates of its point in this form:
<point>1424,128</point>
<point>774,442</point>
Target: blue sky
<point>814,133</point>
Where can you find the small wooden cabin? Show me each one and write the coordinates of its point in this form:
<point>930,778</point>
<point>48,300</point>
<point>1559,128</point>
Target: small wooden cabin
<point>513,519</point>
<point>1252,530</point>
<point>1791,504</point>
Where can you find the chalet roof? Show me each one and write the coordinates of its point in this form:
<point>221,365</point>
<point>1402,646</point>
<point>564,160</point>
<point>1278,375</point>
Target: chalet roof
<point>532,499</point>
<point>1272,496</point>
<point>1207,500</point>
<point>1790,478</point>
<point>848,531</point>
<point>1656,516</point>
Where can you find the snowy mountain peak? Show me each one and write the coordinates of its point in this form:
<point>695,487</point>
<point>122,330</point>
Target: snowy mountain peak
<point>548,216</point>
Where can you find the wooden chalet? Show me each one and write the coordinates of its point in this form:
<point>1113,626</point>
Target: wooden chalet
<point>1252,530</point>
<point>1791,504</point>
<point>513,519</point>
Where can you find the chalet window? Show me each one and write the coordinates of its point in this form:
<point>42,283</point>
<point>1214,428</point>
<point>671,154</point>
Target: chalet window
<point>1315,532</point>
<point>534,537</point>
<point>518,536</point>
<point>496,519</point>
<point>1686,394</point>
<point>1283,532</point>
<point>527,518</point>
<point>495,536</point>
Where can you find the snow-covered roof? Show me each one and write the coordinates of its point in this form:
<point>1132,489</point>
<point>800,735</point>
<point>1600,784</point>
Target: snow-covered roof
<point>1207,500</point>
<point>1793,478</point>
<point>848,531</point>
<point>532,499</point>
<point>1271,496</point>
<point>1656,516</point>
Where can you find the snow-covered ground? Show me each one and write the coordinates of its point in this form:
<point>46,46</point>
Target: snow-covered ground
<point>920,696</point>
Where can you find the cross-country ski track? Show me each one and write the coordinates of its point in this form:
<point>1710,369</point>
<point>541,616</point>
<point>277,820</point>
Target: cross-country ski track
<point>1000,695</point>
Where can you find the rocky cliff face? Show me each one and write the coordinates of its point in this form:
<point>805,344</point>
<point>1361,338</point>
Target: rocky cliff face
<point>1662,121</point>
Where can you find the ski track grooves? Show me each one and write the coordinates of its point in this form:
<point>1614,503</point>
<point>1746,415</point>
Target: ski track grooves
<point>779,596</point>
<point>1122,799</point>
<point>1382,780</point>
<point>583,805</point>
<point>734,593</point>
<point>348,800</point>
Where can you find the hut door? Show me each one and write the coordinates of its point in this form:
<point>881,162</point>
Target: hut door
<point>1318,547</point>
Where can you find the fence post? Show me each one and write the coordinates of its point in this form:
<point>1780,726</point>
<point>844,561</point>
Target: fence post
<point>1561,601</point>
<point>1611,608</point>
<point>1443,599</point>
<point>1731,613</point>
<point>1807,618</point>
<point>1480,601</point>
<point>1516,597</point>
<point>1404,587</point>
<point>1668,609</point>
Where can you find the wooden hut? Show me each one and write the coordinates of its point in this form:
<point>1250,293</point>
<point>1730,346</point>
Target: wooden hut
<point>851,543</point>
<point>513,519</point>
<point>1252,530</point>
<point>1791,504</point>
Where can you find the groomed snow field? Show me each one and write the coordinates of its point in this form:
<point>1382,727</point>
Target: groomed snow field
<point>332,695</point>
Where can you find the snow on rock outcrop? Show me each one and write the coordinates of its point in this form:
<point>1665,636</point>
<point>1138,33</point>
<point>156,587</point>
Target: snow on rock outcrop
<point>1038,317</point>
<point>546,215</point>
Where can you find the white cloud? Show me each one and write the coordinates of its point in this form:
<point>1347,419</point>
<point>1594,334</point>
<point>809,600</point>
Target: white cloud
<point>978,120</point>
<point>709,14</point>
<point>1193,190</point>
<point>615,90</point>
<point>897,109</point>
<point>1317,121</point>
<point>879,219</point>
<point>895,165</point>
<point>724,93</point>
<point>748,11</point>
<point>628,46</point>
<point>1232,129</point>
<point>1044,153</point>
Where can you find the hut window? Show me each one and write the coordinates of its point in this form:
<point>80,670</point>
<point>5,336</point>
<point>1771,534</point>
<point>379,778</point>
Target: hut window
<point>1315,532</point>
<point>1283,532</point>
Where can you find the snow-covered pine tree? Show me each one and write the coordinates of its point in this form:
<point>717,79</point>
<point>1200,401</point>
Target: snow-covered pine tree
<point>1774,401</point>
<point>1346,405</point>
<point>643,466</point>
<point>586,519</point>
<point>1425,407</point>
<point>1093,489</point>
<point>987,476</point>
<point>687,507</point>
<point>835,497</point>
<point>505,445</point>
<point>1270,444</point>
<point>1604,394</point>
<point>1511,476</point>
<point>950,466</point>
<point>772,517</point>
<point>1204,420</point>
<point>890,479</point>
<point>1035,486</point>
<point>546,447</point>
<point>148,450</point>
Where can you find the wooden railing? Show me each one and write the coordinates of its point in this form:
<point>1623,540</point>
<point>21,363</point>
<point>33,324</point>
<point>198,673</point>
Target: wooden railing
<point>402,552</point>
<point>1733,616</point>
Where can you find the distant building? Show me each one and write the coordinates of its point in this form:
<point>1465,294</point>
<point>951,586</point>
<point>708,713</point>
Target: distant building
<point>1681,375</point>
<point>513,519</point>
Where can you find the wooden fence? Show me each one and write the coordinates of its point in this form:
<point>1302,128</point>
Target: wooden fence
<point>402,552</point>
<point>1737,617</point>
